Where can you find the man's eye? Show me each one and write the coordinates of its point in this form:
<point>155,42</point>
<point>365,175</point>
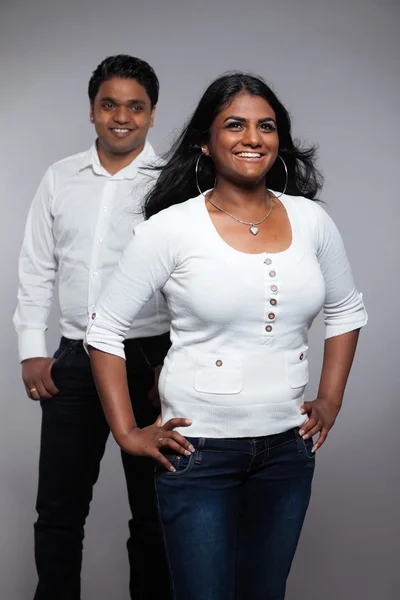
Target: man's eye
<point>137,108</point>
<point>108,105</point>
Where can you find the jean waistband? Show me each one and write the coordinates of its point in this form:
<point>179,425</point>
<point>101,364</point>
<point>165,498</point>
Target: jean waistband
<point>130,342</point>
<point>151,349</point>
<point>246,445</point>
<point>133,346</point>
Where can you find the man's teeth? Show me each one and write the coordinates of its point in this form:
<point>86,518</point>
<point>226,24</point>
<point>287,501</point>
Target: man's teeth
<point>120,130</point>
<point>249,154</point>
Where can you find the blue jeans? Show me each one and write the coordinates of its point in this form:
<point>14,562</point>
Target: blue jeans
<point>232,514</point>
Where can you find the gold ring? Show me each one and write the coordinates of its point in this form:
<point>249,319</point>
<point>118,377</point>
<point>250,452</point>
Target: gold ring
<point>33,390</point>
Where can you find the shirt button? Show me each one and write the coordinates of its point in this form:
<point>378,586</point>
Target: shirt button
<point>273,301</point>
<point>105,208</point>
<point>218,363</point>
<point>274,288</point>
<point>95,273</point>
<point>272,273</point>
<point>271,316</point>
<point>267,261</point>
<point>93,315</point>
<point>100,240</point>
<point>268,328</point>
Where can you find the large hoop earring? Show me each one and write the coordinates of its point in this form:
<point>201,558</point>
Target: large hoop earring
<point>286,175</point>
<point>197,173</point>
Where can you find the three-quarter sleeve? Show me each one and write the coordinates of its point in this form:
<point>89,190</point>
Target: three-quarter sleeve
<point>344,309</point>
<point>144,268</point>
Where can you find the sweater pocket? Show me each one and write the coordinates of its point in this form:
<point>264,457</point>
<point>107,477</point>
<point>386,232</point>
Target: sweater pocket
<point>297,367</point>
<point>218,374</point>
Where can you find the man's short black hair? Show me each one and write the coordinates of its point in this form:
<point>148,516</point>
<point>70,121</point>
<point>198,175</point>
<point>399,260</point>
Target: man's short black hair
<point>125,67</point>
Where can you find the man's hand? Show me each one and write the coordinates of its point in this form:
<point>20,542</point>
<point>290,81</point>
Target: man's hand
<point>322,415</point>
<point>154,396</point>
<point>37,379</point>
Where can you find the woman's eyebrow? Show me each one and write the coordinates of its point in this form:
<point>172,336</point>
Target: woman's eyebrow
<point>243,120</point>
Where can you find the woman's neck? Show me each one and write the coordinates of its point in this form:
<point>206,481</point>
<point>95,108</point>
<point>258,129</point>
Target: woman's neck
<point>240,200</point>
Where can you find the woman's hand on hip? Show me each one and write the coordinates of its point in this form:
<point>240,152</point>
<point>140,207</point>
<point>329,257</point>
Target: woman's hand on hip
<point>322,415</point>
<point>151,440</point>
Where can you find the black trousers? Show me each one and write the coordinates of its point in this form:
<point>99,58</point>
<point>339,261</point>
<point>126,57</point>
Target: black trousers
<point>73,438</point>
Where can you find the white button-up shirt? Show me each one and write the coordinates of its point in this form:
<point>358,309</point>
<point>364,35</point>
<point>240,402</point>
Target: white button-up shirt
<point>80,221</point>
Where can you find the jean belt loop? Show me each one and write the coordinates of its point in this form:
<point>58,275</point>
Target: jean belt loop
<point>198,457</point>
<point>74,346</point>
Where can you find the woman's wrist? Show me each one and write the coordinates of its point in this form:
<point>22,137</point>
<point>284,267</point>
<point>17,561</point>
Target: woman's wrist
<point>122,437</point>
<point>335,400</point>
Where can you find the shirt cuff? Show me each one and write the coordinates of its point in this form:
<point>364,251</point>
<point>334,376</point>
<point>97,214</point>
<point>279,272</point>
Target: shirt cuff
<point>103,340</point>
<point>31,344</point>
<point>334,330</point>
<point>104,347</point>
<point>340,327</point>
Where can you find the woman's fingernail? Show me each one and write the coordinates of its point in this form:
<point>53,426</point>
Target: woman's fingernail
<point>305,437</point>
<point>191,448</point>
<point>187,453</point>
<point>172,469</point>
<point>314,448</point>
<point>302,411</point>
<point>188,421</point>
<point>301,432</point>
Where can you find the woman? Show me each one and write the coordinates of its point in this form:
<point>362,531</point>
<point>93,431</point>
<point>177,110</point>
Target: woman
<point>245,271</point>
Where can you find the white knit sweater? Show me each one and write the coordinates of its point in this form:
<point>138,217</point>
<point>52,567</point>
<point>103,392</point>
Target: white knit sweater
<point>238,363</point>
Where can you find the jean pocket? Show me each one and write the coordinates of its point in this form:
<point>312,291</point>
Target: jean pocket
<point>218,374</point>
<point>306,446</point>
<point>183,465</point>
<point>297,367</point>
<point>59,355</point>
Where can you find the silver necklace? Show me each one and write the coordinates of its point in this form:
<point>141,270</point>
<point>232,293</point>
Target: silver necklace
<point>253,226</point>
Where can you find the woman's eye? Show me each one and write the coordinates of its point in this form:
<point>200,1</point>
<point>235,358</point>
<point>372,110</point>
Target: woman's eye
<point>268,127</point>
<point>234,125</point>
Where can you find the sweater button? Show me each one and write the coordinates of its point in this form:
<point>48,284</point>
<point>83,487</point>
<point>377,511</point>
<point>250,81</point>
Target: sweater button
<point>274,288</point>
<point>267,261</point>
<point>273,301</point>
<point>93,315</point>
<point>219,363</point>
<point>272,273</point>
<point>301,356</point>
<point>271,316</point>
<point>268,328</point>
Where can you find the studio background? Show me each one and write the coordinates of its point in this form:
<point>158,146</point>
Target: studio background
<point>335,66</point>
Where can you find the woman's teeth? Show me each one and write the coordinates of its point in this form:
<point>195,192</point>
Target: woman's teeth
<point>249,154</point>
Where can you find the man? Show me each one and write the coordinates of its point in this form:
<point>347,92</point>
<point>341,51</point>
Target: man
<point>80,221</point>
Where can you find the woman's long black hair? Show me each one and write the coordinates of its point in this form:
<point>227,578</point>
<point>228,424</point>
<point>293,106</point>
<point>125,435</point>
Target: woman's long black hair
<point>177,181</point>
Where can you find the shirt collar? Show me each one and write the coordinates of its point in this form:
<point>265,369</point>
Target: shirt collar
<point>91,160</point>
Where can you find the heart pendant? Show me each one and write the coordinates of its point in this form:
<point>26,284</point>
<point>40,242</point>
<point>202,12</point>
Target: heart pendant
<point>253,229</point>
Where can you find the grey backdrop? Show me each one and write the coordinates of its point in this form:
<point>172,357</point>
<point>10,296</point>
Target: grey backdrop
<point>335,64</point>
